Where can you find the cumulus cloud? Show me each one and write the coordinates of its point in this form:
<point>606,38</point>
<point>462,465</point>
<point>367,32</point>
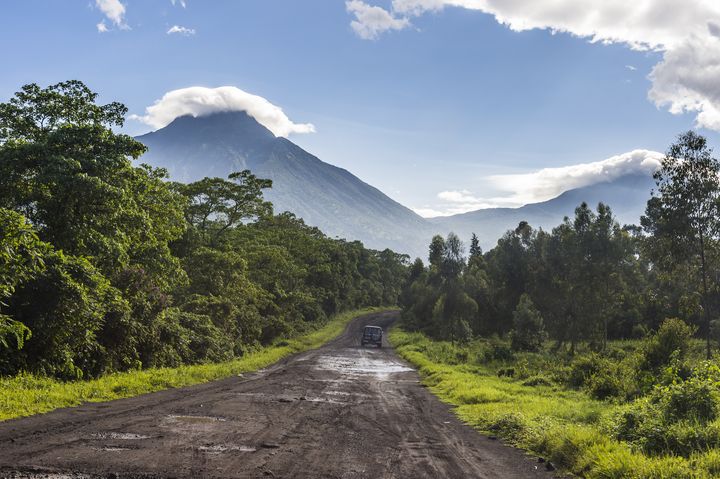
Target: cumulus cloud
<point>520,189</point>
<point>371,21</point>
<point>101,27</point>
<point>114,10</point>
<point>687,32</point>
<point>548,183</point>
<point>177,29</point>
<point>201,101</point>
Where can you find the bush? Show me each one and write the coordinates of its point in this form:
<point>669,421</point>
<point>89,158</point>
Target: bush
<point>528,331</point>
<point>602,377</point>
<point>64,307</point>
<point>537,381</point>
<point>498,351</point>
<point>672,339</point>
<point>581,369</point>
<point>506,372</point>
<point>675,419</point>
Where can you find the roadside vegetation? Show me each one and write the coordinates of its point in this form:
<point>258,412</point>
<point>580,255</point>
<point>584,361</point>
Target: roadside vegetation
<point>593,344</point>
<point>27,394</point>
<point>549,405</point>
<point>106,265</point>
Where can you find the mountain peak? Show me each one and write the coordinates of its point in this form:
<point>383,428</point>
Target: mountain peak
<point>221,125</point>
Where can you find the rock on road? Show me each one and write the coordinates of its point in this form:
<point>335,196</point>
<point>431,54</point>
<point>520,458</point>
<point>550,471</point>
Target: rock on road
<point>340,411</point>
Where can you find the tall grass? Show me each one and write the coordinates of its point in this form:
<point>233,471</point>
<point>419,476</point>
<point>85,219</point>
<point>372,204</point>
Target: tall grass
<point>26,394</point>
<point>564,426</point>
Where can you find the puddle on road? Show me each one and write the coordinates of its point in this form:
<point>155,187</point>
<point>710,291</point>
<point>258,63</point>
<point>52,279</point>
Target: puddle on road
<point>346,394</point>
<point>290,399</point>
<point>221,448</point>
<point>195,419</point>
<point>42,475</point>
<point>361,365</point>
<point>120,436</point>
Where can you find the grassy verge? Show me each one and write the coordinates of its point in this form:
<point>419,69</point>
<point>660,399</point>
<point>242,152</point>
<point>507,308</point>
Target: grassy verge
<point>26,395</point>
<point>565,426</point>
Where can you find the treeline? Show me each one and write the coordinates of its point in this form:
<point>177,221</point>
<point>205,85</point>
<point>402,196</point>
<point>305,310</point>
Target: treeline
<point>106,266</point>
<point>588,279</point>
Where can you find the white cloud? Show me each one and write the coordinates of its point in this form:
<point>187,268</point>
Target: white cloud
<point>181,30</point>
<point>101,27</point>
<point>114,10</point>
<point>520,189</point>
<point>686,80</point>
<point>687,32</point>
<point>550,182</point>
<point>201,101</point>
<point>371,21</point>
<point>631,68</point>
<point>179,2</point>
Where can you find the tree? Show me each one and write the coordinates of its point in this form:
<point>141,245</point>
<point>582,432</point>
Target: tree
<point>215,204</point>
<point>71,176</point>
<point>437,247</point>
<point>509,266</point>
<point>475,249</point>
<point>683,218</point>
<point>21,259</point>
<point>528,331</point>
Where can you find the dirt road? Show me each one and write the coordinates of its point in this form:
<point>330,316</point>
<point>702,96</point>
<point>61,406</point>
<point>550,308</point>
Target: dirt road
<point>340,411</point>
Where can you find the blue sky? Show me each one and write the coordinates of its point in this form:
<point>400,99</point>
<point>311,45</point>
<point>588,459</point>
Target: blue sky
<point>440,101</point>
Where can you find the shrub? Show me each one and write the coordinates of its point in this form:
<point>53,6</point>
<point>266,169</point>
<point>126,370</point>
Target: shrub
<point>672,339</point>
<point>506,372</point>
<point>582,368</point>
<point>64,307</point>
<point>678,418</point>
<point>498,351</point>
<point>602,377</point>
<point>528,331</point>
<point>537,381</point>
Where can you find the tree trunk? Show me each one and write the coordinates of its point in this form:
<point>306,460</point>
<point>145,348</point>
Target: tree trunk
<point>705,305</point>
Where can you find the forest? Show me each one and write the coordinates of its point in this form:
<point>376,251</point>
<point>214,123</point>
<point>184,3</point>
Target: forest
<point>589,280</point>
<point>594,344</point>
<point>107,265</point>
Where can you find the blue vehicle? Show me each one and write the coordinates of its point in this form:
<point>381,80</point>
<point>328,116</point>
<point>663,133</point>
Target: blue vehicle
<point>372,335</point>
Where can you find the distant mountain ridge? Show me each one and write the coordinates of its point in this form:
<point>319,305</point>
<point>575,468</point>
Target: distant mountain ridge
<point>626,196</point>
<point>344,206</point>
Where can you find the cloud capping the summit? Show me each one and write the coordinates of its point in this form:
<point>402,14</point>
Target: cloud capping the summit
<point>202,101</point>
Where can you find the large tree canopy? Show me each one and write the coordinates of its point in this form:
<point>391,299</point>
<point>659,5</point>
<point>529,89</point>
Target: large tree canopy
<point>105,265</point>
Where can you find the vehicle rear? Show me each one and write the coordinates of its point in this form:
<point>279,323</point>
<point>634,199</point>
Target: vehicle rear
<point>372,335</point>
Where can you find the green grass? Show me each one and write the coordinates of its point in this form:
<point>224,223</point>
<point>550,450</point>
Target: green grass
<point>564,426</point>
<point>26,394</point>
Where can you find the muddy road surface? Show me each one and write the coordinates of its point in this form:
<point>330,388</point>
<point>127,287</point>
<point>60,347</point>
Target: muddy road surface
<point>341,411</point>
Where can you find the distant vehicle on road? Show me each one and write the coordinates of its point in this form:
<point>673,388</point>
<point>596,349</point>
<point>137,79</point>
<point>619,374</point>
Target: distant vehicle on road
<point>372,335</point>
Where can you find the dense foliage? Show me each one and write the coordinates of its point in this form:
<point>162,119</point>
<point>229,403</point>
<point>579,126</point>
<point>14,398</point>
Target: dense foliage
<point>621,307</point>
<point>108,266</point>
<point>588,279</point>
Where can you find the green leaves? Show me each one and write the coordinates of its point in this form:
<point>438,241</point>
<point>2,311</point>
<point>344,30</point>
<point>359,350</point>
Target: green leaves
<point>216,204</point>
<point>33,111</point>
<point>112,267</point>
<point>21,258</point>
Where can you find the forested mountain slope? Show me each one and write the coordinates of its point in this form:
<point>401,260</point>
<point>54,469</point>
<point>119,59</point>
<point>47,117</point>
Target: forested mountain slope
<point>323,195</point>
<point>341,204</point>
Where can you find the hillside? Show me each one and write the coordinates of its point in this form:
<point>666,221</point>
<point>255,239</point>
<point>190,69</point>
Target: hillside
<point>626,196</point>
<point>341,204</point>
<point>326,196</point>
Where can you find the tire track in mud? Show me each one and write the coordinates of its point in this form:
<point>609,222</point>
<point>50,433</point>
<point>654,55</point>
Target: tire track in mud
<point>340,411</point>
